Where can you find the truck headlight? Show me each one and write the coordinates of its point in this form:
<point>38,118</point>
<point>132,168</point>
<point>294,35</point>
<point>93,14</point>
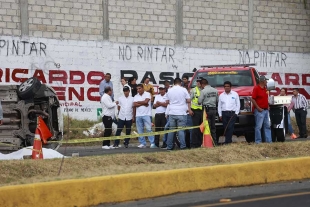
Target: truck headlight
<point>245,104</point>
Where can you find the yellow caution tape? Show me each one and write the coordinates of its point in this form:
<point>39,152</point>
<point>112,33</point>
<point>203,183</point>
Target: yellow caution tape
<point>98,139</point>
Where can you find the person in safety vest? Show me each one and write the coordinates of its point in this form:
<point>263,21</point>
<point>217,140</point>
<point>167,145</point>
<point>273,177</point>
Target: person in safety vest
<point>196,138</point>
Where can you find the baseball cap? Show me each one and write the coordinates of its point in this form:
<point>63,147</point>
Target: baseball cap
<point>198,79</point>
<point>161,87</point>
<point>126,88</point>
<point>262,78</point>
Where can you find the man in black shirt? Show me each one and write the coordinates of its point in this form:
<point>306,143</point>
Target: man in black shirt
<point>132,82</point>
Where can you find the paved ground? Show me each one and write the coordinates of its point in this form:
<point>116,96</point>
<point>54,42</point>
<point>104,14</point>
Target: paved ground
<point>96,150</point>
<point>288,194</point>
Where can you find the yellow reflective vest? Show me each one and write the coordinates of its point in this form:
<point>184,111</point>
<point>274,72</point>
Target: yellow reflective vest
<point>194,104</point>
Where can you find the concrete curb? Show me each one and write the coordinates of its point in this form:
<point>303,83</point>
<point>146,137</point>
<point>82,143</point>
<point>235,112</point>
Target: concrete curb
<point>118,188</point>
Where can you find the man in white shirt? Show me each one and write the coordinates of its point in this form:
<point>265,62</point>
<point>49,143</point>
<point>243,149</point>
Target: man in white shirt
<point>160,106</point>
<point>228,110</point>
<point>108,113</point>
<point>142,102</point>
<point>125,115</point>
<point>179,100</point>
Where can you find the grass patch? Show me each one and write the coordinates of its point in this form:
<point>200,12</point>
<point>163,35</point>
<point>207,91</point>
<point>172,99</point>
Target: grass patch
<point>73,128</point>
<point>29,171</point>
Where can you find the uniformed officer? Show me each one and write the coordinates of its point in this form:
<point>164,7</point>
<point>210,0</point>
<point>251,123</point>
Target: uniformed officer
<point>196,137</point>
<point>208,98</point>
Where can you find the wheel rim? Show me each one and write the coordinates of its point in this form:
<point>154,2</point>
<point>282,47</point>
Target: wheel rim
<point>25,85</point>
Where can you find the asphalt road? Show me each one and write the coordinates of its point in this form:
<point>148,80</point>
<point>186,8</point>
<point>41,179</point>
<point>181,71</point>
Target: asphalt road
<point>288,194</point>
<point>96,150</point>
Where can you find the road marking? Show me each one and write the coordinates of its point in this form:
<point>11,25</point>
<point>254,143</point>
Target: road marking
<point>255,199</point>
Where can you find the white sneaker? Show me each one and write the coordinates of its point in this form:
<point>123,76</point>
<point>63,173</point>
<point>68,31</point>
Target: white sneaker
<point>142,146</point>
<point>111,147</point>
<point>105,147</point>
<point>153,146</point>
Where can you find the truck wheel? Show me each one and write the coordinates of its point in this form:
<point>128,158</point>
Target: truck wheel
<point>28,88</point>
<point>280,133</point>
<point>249,137</point>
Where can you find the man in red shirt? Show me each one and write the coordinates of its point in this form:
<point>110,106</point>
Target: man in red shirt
<point>261,111</point>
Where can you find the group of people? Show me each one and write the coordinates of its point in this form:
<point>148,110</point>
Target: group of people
<point>260,97</point>
<point>181,106</point>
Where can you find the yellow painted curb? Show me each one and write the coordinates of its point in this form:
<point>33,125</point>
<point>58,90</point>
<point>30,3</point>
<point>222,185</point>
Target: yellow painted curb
<point>117,188</point>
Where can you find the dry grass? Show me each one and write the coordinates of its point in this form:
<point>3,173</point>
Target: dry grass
<point>29,171</point>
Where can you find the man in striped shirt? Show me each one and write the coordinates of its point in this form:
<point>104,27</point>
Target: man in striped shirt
<point>300,108</point>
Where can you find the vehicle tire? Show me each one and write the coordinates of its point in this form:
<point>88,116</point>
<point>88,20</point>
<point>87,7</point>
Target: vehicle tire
<point>28,88</point>
<point>280,134</point>
<point>249,137</point>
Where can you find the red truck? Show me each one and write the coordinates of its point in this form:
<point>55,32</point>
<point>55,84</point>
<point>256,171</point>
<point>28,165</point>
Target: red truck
<point>243,78</point>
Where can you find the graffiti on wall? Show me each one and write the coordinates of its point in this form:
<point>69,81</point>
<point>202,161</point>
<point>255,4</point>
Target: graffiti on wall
<point>16,47</point>
<point>263,58</point>
<point>146,54</point>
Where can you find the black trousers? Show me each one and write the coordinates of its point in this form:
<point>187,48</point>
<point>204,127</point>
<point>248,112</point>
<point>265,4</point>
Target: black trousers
<point>107,122</point>
<point>229,119</point>
<point>196,133</point>
<point>120,125</point>
<point>301,117</point>
<point>160,122</point>
<point>211,112</point>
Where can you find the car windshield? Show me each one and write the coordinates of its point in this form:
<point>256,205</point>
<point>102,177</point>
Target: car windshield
<point>217,78</point>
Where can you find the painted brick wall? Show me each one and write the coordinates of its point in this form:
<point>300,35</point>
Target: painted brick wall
<point>75,67</point>
<point>140,21</point>
<point>70,19</point>
<point>218,24</point>
<point>10,17</point>
<point>281,26</point>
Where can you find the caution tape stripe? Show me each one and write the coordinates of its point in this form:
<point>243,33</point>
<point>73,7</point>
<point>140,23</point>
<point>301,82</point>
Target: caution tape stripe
<point>98,139</point>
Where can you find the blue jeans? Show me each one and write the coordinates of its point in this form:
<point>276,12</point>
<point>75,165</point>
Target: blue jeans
<point>289,124</point>
<point>120,126</point>
<point>141,122</point>
<point>177,121</point>
<point>262,120</point>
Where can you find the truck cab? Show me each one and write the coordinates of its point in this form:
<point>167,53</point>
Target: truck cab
<point>243,78</point>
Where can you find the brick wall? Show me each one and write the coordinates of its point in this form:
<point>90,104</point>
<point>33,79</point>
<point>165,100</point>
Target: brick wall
<point>278,25</point>
<point>216,24</point>
<point>66,19</point>
<point>281,26</point>
<point>140,21</point>
<point>9,17</point>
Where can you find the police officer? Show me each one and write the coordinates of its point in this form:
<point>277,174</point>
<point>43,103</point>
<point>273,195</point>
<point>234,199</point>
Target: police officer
<point>208,98</point>
<point>196,138</point>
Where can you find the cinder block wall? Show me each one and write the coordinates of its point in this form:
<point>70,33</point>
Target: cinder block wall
<point>277,25</point>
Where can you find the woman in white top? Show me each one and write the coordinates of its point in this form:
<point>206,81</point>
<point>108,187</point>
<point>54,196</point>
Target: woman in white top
<point>123,84</point>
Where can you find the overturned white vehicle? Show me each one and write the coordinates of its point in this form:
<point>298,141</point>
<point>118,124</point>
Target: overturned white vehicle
<point>21,106</point>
